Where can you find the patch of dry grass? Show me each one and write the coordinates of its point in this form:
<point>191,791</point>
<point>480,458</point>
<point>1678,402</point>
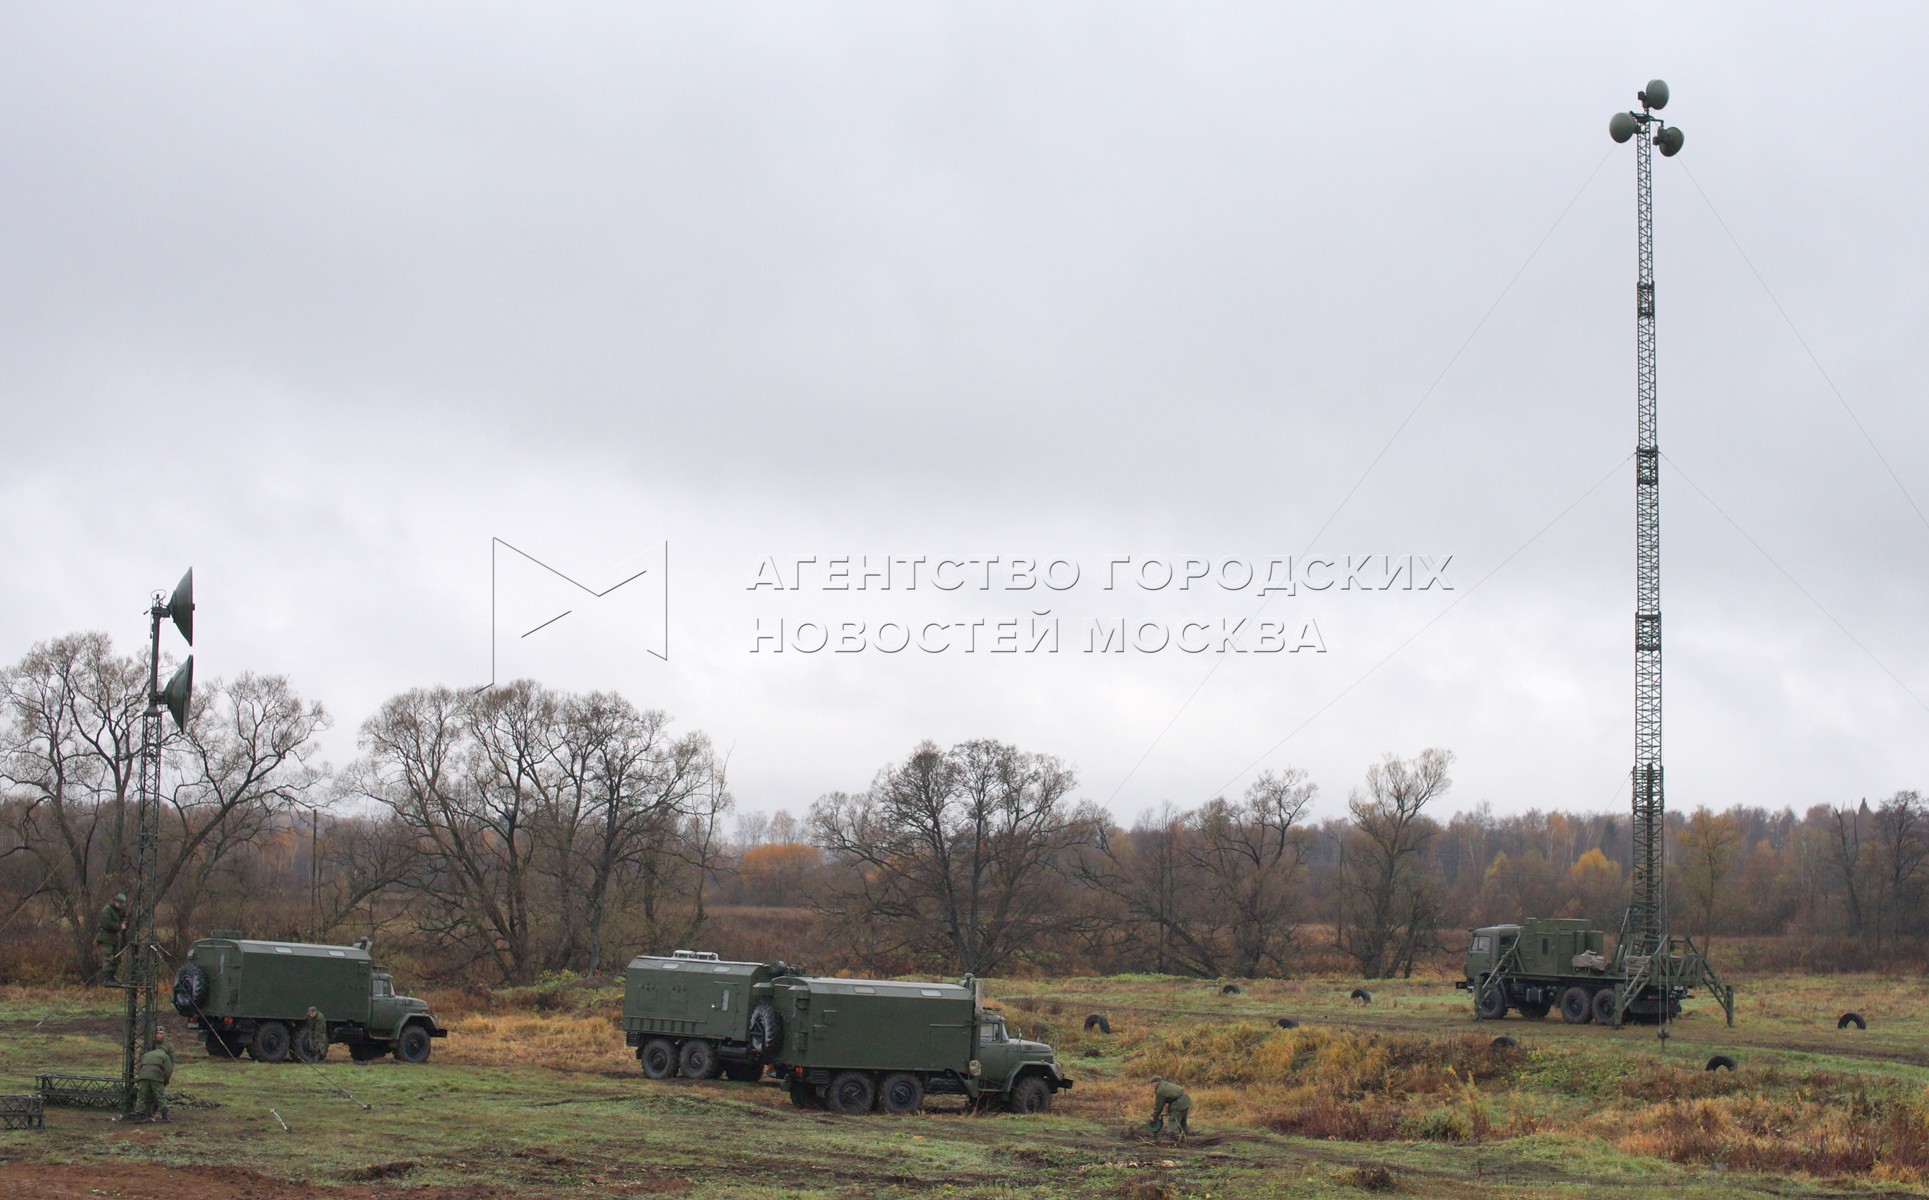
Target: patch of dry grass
<point>1887,1139</point>
<point>1338,1083</point>
<point>560,1041</point>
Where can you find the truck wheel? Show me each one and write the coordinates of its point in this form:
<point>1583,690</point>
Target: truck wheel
<point>1491,1005</point>
<point>851,1093</point>
<point>765,1032</point>
<point>658,1058</point>
<point>270,1042</point>
<point>1577,1007</point>
<point>1605,1009</point>
<point>1031,1095</point>
<point>413,1045</point>
<point>699,1060</point>
<point>190,989</point>
<point>1535,1012</point>
<point>366,1051</point>
<point>743,1072</point>
<point>902,1092</point>
<point>803,1095</point>
<point>308,1050</point>
<point>218,1046</point>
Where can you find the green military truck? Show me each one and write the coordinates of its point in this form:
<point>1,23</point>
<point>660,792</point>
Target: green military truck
<point>240,994</point>
<point>850,1045</point>
<point>1546,963</point>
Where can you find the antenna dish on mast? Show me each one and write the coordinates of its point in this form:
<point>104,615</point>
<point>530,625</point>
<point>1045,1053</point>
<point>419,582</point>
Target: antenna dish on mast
<point>181,606</point>
<point>1621,126</point>
<point>175,695</point>
<point>1669,140</point>
<point>1656,94</point>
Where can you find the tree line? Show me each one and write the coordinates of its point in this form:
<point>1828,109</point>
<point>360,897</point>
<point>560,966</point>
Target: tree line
<point>509,833</point>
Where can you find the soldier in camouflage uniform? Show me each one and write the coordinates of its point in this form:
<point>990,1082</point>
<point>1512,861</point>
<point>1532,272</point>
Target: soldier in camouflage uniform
<point>1169,1095</point>
<point>151,1078</point>
<point>314,1036</point>
<point>108,934</point>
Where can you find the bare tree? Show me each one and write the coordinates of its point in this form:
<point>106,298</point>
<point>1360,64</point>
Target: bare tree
<point>1899,832</point>
<point>1389,903</point>
<point>534,815</point>
<point>69,758</point>
<point>1157,919</point>
<point>1845,856</point>
<point>1709,846</point>
<point>1249,856</point>
<point>950,853</point>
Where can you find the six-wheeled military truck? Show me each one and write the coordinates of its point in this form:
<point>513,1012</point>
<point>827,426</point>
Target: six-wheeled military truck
<point>847,1044</point>
<point>241,994</point>
<point>1546,963</point>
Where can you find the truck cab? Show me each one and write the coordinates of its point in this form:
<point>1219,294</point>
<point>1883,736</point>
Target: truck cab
<point>1002,1056</point>
<point>1485,949</point>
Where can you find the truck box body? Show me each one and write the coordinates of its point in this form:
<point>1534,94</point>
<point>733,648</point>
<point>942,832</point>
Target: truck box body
<point>875,1025</point>
<point>845,1042</point>
<point>692,996</point>
<point>279,980</point>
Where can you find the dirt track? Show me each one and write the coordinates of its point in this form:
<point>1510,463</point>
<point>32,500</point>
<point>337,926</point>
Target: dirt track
<point>86,1181</point>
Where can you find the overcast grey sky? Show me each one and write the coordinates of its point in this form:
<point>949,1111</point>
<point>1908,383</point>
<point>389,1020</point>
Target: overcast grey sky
<point>321,299</point>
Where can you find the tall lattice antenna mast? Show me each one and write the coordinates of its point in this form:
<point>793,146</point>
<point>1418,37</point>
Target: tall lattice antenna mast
<point>1657,970</point>
<point>139,976</point>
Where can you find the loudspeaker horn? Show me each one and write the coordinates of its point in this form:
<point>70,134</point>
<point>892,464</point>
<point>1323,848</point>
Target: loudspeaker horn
<point>175,694</point>
<point>181,607</point>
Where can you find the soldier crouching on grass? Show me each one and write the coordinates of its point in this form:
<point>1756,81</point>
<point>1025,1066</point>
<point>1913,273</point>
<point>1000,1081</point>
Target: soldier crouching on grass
<point>151,1077</point>
<point>1169,1095</point>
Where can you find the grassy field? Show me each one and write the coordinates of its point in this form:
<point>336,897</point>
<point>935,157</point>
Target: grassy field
<point>534,1095</point>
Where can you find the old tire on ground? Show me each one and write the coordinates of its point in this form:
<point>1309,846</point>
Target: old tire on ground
<point>1030,1095</point>
<point>852,1093</point>
<point>1605,1007</point>
<point>413,1045</point>
<point>270,1042</point>
<point>1720,1062</point>
<point>658,1057</point>
<point>901,1092</point>
<point>1536,1011</point>
<point>1491,1005</point>
<point>743,1072</point>
<point>699,1060</point>
<point>1362,995</point>
<point>765,1032</point>
<point>190,989</point>
<point>1505,1043</point>
<point>307,1051</point>
<point>1231,989</point>
<point>1851,1018</point>
<point>1286,1023</point>
<point>1097,1021</point>
<point>803,1095</point>
<point>1577,1006</point>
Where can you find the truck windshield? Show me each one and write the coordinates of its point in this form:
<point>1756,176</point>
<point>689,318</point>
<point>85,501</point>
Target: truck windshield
<point>991,1031</point>
<point>383,987</point>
